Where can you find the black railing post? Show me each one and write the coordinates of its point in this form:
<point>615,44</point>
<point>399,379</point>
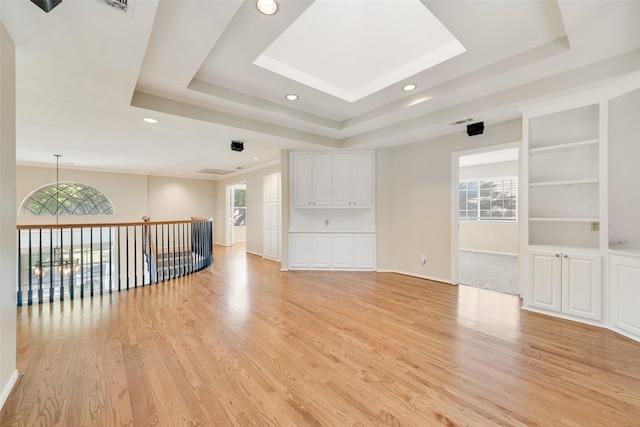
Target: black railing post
<point>101,266</point>
<point>173,233</point>
<point>19,296</point>
<point>110,259</point>
<point>82,263</point>
<point>91,260</point>
<point>127,253</point>
<point>40,272</point>
<point>156,252</point>
<point>30,291</point>
<point>72,261</point>
<point>119,264</point>
<point>51,255</point>
<point>61,267</point>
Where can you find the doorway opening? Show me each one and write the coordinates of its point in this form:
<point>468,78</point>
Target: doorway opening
<point>485,232</point>
<point>236,213</point>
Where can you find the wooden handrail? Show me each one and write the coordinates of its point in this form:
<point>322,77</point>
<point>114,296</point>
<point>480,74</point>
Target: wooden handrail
<point>110,224</point>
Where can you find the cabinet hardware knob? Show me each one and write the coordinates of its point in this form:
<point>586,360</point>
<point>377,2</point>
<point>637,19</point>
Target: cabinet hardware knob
<point>557,255</point>
<point>566,256</point>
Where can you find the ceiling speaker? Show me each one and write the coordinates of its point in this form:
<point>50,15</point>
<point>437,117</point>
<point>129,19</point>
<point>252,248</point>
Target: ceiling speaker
<point>475,129</point>
<point>237,145</point>
<point>46,5</point>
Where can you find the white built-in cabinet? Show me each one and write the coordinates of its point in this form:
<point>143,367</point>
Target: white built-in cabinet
<point>271,216</point>
<point>567,282</point>
<point>565,170</point>
<point>352,179</point>
<point>332,215</point>
<point>339,251</point>
<point>340,179</point>
<point>311,173</point>
<point>579,207</point>
<point>624,273</point>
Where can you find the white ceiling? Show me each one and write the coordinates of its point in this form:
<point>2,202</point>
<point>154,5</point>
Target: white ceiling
<point>87,73</point>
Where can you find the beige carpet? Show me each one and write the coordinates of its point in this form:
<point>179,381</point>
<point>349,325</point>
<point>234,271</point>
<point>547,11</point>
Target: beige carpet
<point>489,271</point>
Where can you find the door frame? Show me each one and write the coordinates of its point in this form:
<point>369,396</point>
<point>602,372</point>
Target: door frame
<point>455,226</point>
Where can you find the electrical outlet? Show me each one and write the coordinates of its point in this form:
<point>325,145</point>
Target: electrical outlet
<point>595,226</point>
<point>423,259</point>
<point>326,222</point>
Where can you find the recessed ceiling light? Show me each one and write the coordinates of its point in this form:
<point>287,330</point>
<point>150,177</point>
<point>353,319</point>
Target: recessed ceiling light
<point>255,158</point>
<point>177,173</point>
<point>409,87</point>
<point>292,97</point>
<point>268,7</point>
<point>150,120</point>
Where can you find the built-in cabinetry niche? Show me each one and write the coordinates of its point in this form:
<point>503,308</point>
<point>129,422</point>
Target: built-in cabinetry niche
<point>624,172</point>
<point>624,213</point>
<point>580,207</point>
<point>564,146</point>
<point>332,217</point>
<point>564,178</point>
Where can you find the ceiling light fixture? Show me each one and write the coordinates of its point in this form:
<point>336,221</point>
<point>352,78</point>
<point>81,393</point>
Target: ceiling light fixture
<point>150,120</point>
<point>409,87</point>
<point>292,97</point>
<point>256,158</point>
<point>268,7</point>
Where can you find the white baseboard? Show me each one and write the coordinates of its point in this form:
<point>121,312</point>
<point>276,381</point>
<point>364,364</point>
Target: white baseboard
<point>7,388</point>
<point>488,252</point>
<point>253,253</point>
<point>419,276</point>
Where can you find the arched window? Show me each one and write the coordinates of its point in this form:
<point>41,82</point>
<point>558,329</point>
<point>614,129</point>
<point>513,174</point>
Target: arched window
<point>66,198</point>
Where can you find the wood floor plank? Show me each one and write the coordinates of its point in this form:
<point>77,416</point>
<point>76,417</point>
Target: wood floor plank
<point>244,344</point>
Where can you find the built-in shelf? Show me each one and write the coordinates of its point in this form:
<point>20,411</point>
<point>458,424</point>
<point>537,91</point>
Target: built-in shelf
<point>569,182</point>
<point>562,147</point>
<point>565,219</point>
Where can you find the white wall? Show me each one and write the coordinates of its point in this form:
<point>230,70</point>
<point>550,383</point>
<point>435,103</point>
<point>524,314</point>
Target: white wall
<point>8,258</point>
<point>491,170</point>
<point>133,196</point>
<point>181,198</point>
<point>253,179</point>
<point>384,215</point>
<point>624,172</point>
<point>494,237</point>
<point>416,214</point>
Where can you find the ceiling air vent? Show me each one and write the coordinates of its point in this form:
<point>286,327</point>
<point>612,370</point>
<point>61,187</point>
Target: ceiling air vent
<point>459,122</point>
<point>215,171</point>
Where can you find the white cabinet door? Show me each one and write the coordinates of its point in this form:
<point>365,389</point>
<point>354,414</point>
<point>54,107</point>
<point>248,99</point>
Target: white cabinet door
<point>321,251</point>
<point>342,171</point>
<point>353,179</point>
<point>362,179</point>
<point>545,287</point>
<point>364,251</point>
<point>322,173</point>
<point>624,273</point>
<point>302,179</point>
<point>301,250</point>
<point>582,285</point>
<point>342,251</point>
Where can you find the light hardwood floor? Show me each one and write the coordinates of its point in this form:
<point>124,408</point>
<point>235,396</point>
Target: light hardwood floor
<point>242,343</point>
